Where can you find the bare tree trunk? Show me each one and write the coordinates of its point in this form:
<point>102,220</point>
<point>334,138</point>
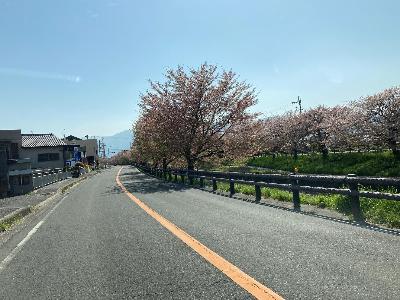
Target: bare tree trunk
<point>393,145</point>
<point>190,167</point>
<point>295,154</point>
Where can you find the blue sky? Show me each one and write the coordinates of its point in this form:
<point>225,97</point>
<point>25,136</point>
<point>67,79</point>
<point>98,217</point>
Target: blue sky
<point>78,67</point>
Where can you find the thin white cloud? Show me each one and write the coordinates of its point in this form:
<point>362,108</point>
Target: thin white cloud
<point>39,75</point>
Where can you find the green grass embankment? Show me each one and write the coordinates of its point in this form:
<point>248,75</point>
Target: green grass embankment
<point>362,164</point>
<point>384,212</point>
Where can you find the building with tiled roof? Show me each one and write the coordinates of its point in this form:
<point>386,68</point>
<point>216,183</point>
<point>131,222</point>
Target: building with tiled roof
<point>46,151</point>
<point>41,140</point>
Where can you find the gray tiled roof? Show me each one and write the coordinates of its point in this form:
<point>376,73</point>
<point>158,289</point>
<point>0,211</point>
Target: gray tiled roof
<point>41,140</point>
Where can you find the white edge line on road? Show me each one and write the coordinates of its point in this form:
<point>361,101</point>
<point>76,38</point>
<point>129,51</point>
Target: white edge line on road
<point>18,248</point>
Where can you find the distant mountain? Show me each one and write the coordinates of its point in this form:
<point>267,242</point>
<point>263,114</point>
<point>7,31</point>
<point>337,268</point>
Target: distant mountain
<point>118,142</point>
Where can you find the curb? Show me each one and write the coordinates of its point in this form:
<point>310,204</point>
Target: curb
<point>9,219</point>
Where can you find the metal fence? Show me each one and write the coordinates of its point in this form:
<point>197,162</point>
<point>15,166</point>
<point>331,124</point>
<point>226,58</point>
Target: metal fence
<point>351,185</point>
<point>43,178</point>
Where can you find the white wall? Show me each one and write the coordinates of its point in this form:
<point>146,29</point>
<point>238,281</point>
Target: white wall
<point>33,153</point>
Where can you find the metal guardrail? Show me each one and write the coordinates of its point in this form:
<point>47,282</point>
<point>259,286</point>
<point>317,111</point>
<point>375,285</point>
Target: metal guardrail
<point>45,178</point>
<point>351,186</point>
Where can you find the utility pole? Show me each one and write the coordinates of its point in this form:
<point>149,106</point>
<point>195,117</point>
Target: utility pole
<point>299,103</point>
<point>104,147</point>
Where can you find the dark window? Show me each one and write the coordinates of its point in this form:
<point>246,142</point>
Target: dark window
<point>14,150</point>
<point>26,179</point>
<point>48,157</point>
<point>43,157</point>
<point>14,180</point>
<point>54,156</point>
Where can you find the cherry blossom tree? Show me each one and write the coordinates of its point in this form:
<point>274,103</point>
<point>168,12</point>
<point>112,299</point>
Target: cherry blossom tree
<point>202,115</point>
<point>273,135</point>
<point>285,134</point>
<point>244,140</point>
<point>155,128</point>
<point>317,131</point>
<point>380,114</point>
<point>194,114</point>
<point>121,158</point>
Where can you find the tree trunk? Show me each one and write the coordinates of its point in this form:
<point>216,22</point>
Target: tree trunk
<point>190,167</point>
<point>190,164</point>
<point>295,154</point>
<point>395,151</point>
<point>393,146</point>
<point>164,167</point>
<point>324,152</point>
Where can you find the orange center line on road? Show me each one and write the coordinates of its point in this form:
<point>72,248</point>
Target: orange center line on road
<point>248,283</point>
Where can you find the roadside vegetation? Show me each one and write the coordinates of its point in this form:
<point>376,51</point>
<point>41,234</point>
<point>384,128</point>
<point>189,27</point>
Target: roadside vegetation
<point>123,157</point>
<point>382,212</point>
<point>7,224</point>
<point>362,164</point>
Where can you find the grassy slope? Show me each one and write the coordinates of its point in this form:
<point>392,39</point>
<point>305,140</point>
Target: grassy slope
<point>383,212</point>
<point>363,164</point>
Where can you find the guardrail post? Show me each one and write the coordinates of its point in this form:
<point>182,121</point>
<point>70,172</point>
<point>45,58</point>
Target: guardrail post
<point>176,177</point>
<point>190,177</point>
<point>169,176</point>
<point>296,193</point>
<point>258,192</point>
<point>201,182</point>
<point>214,184</point>
<point>355,199</point>
<point>231,187</point>
<point>183,178</point>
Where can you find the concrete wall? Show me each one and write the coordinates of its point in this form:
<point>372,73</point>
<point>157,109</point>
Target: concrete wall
<point>91,146</point>
<point>13,136</point>
<point>33,153</point>
<point>20,184</point>
<point>9,139</point>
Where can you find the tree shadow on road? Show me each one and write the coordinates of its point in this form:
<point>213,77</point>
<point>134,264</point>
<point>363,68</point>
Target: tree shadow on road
<point>137,182</point>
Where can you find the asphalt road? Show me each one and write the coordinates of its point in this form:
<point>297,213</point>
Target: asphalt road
<point>97,243</point>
